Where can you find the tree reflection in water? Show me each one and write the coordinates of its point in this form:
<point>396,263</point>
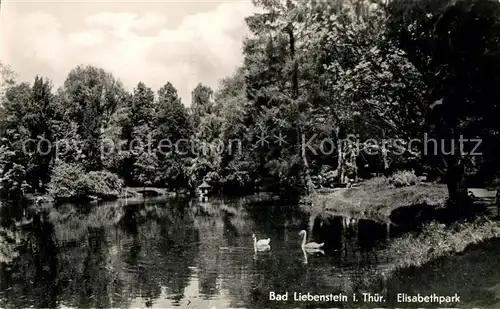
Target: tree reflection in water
<point>34,271</point>
<point>174,253</point>
<point>160,254</point>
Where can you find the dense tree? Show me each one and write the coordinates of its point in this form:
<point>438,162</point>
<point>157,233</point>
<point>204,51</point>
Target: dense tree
<point>454,45</point>
<point>14,154</point>
<point>318,78</point>
<point>146,169</point>
<point>237,167</point>
<point>138,128</point>
<point>173,135</point>
<point>142,109</point>
<point>38,118</point>
<point>7,79</point>
<point>12,173</point>
<point>171,119</point>
<point>201,103</point>
<point>92,96</point>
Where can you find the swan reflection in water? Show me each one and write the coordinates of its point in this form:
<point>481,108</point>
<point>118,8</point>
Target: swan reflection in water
<point>311,251</point>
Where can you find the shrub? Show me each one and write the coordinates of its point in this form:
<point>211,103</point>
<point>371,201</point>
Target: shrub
<point>9,243</point>
<point>104,184</point>
<point>404,179</point>
<point>12,173</point>
<point>437,240</point>
<point>376,183</point>
<point>377,198</point>
<point>65,181</point>
<point>69,181</point>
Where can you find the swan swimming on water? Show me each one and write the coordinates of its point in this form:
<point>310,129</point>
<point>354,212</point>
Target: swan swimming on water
<point>261,244</point>
<point>309,245</point>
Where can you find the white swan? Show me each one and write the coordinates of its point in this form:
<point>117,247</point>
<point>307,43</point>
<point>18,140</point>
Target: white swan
<point>305,255</point>
<point>261,244</point>
<point>309,245</point>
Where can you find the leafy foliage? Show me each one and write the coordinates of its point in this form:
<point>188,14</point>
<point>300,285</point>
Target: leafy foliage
<point>70,181</point>
<point>454,44</point>
<point>12,174</point>
<point>314,76</point>
<point>404,179</point>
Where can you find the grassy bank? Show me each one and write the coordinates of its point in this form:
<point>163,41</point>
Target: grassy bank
<point>404,198</point>
<point>376,199</point>
<point>438,241</point>
<point>417,251</point>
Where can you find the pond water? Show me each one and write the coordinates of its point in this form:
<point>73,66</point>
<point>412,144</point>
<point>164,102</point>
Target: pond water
<point>185,254</point>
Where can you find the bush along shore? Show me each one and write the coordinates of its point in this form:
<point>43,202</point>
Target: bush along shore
<point>433,242</point>
<point>71,183</point>
<point>438,240</point>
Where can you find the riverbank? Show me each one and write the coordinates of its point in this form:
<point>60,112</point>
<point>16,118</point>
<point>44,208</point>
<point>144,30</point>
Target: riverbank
<point>375,199</point>
<point>429,229</point>
<point>437,241</point>
<point>124,193</point>
<point>128,192</point>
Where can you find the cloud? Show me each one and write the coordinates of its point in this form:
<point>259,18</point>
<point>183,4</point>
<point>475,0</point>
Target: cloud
<point>126,20</point>
<point>201,47</point>
<point>86,38</point>
<point>37,36</point>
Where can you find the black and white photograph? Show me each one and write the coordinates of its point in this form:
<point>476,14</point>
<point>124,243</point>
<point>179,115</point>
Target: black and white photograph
<point>260,154</point>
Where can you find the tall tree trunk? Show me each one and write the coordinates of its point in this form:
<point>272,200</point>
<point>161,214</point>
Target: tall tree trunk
<point>354,164</point>
<point>384,152</point>
<point>295,94</point>
<point>307,174</point>
<point>340,168</point>
<point>455,181</point>
<point>455,170</point>
<point>295,74</point>
<point>385,161</point>
<point>340,160</point>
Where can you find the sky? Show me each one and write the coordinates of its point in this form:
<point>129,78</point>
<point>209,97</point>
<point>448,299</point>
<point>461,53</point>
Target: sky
<point>184,41</point>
